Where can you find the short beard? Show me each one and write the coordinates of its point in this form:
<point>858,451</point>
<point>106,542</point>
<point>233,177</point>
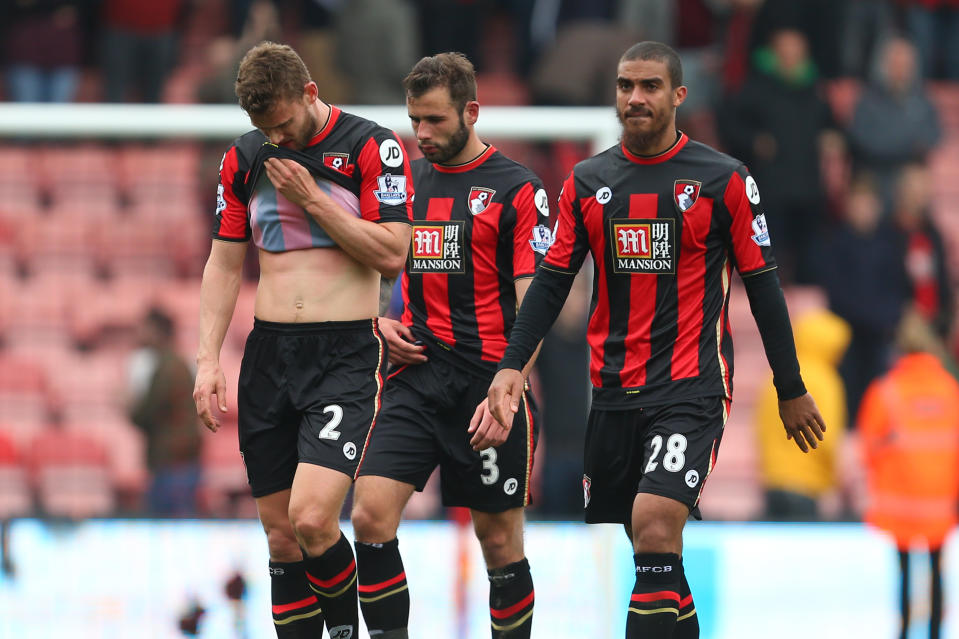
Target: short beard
<point>451,149</point>
<point>639,142</point>
<point>309,130</point>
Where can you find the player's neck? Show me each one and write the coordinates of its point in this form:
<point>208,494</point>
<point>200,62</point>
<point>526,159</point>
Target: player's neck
<point>660,144</point>
<point>322,111</point>
<point>473,149</point>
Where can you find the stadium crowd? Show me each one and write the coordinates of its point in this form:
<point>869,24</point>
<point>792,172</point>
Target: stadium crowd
<point>846,112</point>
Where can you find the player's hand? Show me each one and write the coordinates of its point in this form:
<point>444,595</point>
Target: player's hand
<point>292,180</point>
<point>400,340</point>
<point>504,395</point>
<point>804,425</point>
<point>210,381</point>
<point>486,431</point>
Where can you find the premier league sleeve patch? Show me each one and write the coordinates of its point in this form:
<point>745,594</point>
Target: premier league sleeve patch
<point>392,189</point>
<point>760,232</point>
<point>542,239</point>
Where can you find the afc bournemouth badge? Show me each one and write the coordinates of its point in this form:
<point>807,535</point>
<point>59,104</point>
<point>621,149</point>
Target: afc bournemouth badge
<point>339,162</point>
<point>685,194</point>
<point>479,198</point>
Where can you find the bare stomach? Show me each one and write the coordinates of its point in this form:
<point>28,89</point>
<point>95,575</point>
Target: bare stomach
<point>315,285</point>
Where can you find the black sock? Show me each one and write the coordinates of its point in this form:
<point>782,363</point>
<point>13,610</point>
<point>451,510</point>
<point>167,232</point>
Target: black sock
<point>296,610</point>
<point>384,594</point>
<point>332,577</point>
<point>654,604</point>
<point>687,623</point>
<point>903,594</point>
<point>511,598</point>
<point>935,611</point>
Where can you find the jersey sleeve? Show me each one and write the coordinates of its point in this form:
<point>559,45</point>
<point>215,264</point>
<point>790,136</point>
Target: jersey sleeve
<point>386,183</point>
<point>570,241</point>
<point>751,245</point>
<point>531,234</point>
<point>231,222</point>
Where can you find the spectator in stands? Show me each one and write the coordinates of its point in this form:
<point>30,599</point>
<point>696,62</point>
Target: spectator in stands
<point>819,21</point>
<point>161,405</point>
<point>564,387</point>
<point>866,24</point>
<point>934,27</point>
<point>909,431</point>
<point>224,53</point>
<point>924,250</point>
<point>42,49</point>
<point>794,483</point>
<point>778,124</point>
<point>866,284</point>
<point>317,42</point>
<point>139,47</point>
<point>894,122</point>
<point>377,44</point>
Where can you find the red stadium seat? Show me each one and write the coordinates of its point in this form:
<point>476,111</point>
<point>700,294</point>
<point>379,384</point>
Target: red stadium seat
<point>15,497</point>
<point>224,490</point>
<point>123,442</point>
<point>71,475</point>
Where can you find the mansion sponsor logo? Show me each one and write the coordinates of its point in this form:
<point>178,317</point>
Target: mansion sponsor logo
<point>437,247</point>
<point>643,246</point>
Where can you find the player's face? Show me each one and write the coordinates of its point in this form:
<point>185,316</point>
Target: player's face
<point>441,133</point>
<point>646,104</point>
<point>289,123</point>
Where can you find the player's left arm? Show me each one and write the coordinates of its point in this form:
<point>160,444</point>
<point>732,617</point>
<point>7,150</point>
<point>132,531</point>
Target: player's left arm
<point>531,240</point>
<point>752,249</point>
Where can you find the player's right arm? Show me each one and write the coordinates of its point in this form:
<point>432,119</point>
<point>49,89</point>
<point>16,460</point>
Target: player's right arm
<point>541,304</point>
<point>220,286</point>
<point>219,289</point>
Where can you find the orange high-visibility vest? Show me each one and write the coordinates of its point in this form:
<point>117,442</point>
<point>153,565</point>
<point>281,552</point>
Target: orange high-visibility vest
<point>909,431</point>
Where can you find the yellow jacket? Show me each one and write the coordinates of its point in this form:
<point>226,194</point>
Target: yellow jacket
<point>821,339</point>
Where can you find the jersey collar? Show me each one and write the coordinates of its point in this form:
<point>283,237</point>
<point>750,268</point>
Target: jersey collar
<point>467,166</point>
<point>325,131</point>
<point>659,157</point>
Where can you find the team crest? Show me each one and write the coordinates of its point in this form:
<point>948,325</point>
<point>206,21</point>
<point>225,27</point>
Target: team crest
<point>587,485</point>
<point>338,162</point>
<point>479,198</point>
<point>685,194</point>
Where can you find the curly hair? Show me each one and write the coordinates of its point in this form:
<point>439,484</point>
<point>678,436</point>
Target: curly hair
<point>451,70</point>
<point>269,72</point>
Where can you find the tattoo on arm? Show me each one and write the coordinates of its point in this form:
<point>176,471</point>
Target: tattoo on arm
<point>386,294</point>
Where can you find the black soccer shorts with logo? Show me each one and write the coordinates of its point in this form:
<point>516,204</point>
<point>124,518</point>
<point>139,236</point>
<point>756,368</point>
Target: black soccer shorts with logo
<point>426,411</point>
<point>667,450</point>
<point>308,393</point>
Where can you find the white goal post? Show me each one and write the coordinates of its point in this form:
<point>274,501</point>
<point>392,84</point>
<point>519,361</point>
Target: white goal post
<point>597,125</point>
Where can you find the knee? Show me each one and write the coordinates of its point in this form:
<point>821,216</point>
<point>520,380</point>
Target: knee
<point>370,525</point>
<point>500,547</point>
<point>315,531</point>
<point>656,535</point>
<point>282,543</point>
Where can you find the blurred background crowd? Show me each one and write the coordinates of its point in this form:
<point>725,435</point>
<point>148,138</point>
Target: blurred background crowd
<point>845,111</point>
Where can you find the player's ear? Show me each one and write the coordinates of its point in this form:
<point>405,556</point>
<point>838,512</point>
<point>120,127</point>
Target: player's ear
<point>310,92</point>
<point>679,96</point>
<point>471,112</point>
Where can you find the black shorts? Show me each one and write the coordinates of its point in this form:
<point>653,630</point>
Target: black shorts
<point>426,411</point>
<point>307,393</point>
<point>666,450</point>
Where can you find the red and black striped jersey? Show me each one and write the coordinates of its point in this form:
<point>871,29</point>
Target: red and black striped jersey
<point>359,164</point>
<point>477,228</point>
<point>665,233</point>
